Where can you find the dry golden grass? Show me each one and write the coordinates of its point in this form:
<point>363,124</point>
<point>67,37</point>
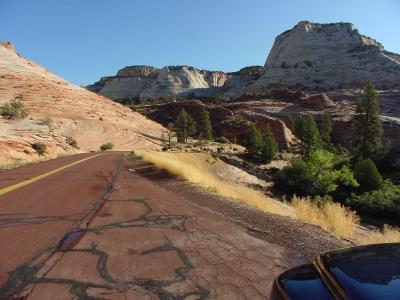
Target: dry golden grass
<point>332,217</point>
<point>387,235</point>
<point>16,164</point>
<point>194,167</point>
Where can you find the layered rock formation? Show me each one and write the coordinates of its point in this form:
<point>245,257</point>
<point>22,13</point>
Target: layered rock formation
<point>144,82</point>
<point>329,56</point>
<point>87,117</point>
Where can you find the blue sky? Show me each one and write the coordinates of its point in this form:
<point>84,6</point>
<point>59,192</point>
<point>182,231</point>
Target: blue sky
<point>82,40</point>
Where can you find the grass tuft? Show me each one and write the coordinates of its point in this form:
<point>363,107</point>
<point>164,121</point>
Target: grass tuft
<point>387,235</point>
<point>332,217</point>
<point>16,164</point>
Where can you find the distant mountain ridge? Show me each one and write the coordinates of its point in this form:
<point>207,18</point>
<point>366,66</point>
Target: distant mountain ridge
<point>309,56</point>
<point>146,82</point>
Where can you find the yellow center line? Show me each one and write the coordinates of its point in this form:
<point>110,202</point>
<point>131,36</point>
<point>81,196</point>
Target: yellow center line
<point>29,181</point>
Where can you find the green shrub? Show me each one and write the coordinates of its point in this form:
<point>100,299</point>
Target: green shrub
<point>40,148</point>
<point>340,161</point>
<point>367,175</point>
<point>107,146</point>
<point>222,140</point>
<point>295,178</point>
<point>384,201</point>
<point>315,176</point>
<point>269,147</point>
<point>15,109</point>
<point>71,141</point>
<point>46,122</point>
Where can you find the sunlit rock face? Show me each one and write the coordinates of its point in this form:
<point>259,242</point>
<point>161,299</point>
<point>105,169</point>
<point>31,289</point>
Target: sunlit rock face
<point>144,82</point>
<point>329,56</point>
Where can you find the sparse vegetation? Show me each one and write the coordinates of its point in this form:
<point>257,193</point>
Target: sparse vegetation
<point>71,141</point>
<point>205,126</point>
<point>16,164</point>
<point>326,131</point>
<point>40,148</point>
<point>253,140</point>
<point>220,98</point>
<point>269,147</point>
<point>307,131</point>
<point>192,167</point>
<point>387,235</point>
<point>222,140</point>
<point>106,146</point>
<point>15,109</point>
<point>330,216</point>
<point>46,122</point>
<point>184,127</point>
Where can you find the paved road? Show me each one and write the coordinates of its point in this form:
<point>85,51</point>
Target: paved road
<point>101,229</point>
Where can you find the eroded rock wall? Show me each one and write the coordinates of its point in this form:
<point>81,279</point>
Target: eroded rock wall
<point>328,56</point>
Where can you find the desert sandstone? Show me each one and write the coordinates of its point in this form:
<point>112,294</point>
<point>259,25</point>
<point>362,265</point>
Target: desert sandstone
<point>85,116</point>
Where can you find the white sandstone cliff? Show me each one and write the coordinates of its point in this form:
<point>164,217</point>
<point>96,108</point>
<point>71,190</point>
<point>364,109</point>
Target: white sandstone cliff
<point>328,56</point>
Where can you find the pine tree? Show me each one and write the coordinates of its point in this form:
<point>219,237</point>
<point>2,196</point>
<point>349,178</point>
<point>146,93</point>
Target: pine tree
<point>253,139</point>
<point>367,126</point>
<point>307,131</point>
<point>206,128</point>
<point>312,141</point>
<point>170,134</point>
<point>269,147</point>
<point>326,131</point>
<point>184,126</point>
<point>299,129</point>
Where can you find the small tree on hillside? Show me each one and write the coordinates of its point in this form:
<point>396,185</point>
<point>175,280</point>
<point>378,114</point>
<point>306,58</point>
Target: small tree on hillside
<point>326,131</point>
<point>367,175</point>
<point>206,128</point>
<point>367,126</point>
<point>163,139</point>
<point>269,148</point>
<point>184,126</point>
<point>253,139</point>
<point>170,134</point>
<point>307,131</point>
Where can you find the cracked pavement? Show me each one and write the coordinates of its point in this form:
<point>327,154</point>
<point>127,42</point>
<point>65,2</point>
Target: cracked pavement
<point>138,240</point>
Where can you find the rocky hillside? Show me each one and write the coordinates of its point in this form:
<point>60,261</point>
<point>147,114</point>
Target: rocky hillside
<point>145,82</point>
<point>229,122</point>
<point>329,56</point>
<point>85,116</point>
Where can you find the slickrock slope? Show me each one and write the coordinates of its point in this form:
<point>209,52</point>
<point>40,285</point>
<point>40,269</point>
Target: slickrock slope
<point>329,56</point>
<point>87,117</point>
<point>144,82</point>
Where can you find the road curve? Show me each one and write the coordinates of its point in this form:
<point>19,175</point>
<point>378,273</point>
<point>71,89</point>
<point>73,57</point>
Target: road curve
<point>103,229</point>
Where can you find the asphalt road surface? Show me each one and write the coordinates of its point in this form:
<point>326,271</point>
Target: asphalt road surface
<point>90,226</point>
